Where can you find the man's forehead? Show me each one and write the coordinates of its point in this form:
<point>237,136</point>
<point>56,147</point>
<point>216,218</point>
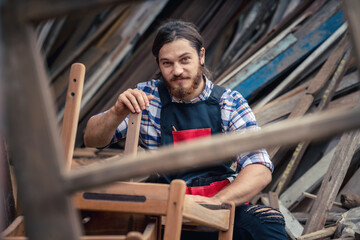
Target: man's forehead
<point>176,48</point>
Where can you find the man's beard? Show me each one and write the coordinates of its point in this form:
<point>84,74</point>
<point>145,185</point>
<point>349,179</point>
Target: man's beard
<point>180,91</point>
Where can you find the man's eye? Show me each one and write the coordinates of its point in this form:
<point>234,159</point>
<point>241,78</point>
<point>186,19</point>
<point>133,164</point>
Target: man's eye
<point>185,59</point>
<point>166,63</point>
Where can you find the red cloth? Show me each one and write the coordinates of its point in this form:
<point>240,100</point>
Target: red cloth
<point>186,135</point>
<point>207,191</point>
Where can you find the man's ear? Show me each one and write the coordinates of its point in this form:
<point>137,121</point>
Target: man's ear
<point>202,56</point>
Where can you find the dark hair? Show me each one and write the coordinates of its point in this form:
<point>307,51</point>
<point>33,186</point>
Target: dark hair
<point>177,29</point>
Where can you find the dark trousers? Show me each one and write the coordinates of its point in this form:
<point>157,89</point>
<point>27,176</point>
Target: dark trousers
<point>252,222</point>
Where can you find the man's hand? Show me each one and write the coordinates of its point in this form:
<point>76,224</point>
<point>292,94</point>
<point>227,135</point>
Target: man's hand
<point>206,200</point>
<point>132,100</point>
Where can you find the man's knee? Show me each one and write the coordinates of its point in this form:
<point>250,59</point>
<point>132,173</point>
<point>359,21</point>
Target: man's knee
<point>259,222</point>
<point>266,214</point>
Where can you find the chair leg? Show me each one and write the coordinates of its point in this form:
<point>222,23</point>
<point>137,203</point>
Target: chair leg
<point>174,210</point>
<point>228,235</point>
<point>134,236</point>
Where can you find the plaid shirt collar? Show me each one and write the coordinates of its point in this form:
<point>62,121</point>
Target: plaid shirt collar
<point>203,95</point>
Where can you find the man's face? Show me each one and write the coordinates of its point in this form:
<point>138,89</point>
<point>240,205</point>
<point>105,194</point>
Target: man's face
<point>180,65</point>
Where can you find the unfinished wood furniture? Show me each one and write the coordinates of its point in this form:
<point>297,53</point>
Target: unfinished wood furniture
<point>159,200</point>
<point>139,198</point>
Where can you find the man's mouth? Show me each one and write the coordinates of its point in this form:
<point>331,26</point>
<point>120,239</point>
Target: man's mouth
<point>180,79</point>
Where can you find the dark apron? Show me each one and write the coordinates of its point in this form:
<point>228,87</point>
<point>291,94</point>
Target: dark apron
<point>198,116</point>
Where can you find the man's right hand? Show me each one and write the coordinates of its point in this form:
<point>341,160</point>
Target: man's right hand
<point>132,100</point>
<point>101,128</point>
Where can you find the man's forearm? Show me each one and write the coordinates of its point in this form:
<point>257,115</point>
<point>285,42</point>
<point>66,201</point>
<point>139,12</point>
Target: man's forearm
<point>101,128</point>
<point>250,181</point>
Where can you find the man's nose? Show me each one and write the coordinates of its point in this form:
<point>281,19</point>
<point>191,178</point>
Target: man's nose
<point>178,69</point>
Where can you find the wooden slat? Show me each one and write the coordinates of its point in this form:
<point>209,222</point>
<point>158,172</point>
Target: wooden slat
<point>174,212</point>
<point>273,200</point>
<point>313,196</point>
<point>332,181</point>
<point>37,10</point>
<point>132,136</point>
<point>217,148</point>
<point>273,33</point>
<point>103,237</point>
<point>32,125</point>
<point>255,56</point>
<point>228,234</point>
<point>155,198</point>
<point>151,232</point>
<point>321,234</point>
<point>72,109</point>
<point>218,219</point>
<point>84,45</point>
<point>325,99</point>
<point>352,8</point>
<point>305,64</point>
<point>292,226</point>
<point>284,61</point>
<point>307,182</point>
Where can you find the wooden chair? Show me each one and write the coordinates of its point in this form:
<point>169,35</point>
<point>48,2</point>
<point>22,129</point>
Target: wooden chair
<point>129,200</point>
<point>159,200</point>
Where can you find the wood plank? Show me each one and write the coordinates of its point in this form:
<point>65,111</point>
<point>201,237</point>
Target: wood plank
<point>352,186</point>
<point>132,136</point>
<point>262,61</point>
<point>48,213</point>
<point>305,64</point>
<point>228,234</point>
<point>313,196</point>
<point>293,194</point>
<point>325,99</point>
<point>267,74</point>
<point>16,228</point>
<point>258,54</point>
<point>324,233</point>
<point>84,45</point>
<point>102,237</point>
<point>292,226</point>
<point>276,31</point>
<point>174,212</point>
<point>352,8</point>
<point>274,200</point>
<point>332,181</point>
<point>37,10</point>
<point>215,149</point>
<point>151,231</point>
<point>72,109</point>
<point>218,219</point>
<point>7,200</point>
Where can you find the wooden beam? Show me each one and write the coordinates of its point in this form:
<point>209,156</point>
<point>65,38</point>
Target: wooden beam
<point>304,65</point>
<point>132,136</point>
<point>352,8</point>
<point>31,120</point>
<point>307,182</point>
<point>292,226</point>
<point>332,181</point>
<point>218,148</point>
<point>72,110</point>
<point>37,10</point>
<point>321,234</point>
<point>325,99</point>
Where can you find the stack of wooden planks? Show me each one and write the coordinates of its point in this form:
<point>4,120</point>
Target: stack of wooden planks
<point>287,58</point>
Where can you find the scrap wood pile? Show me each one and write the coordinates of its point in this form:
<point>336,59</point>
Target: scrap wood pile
<point>287,58</point>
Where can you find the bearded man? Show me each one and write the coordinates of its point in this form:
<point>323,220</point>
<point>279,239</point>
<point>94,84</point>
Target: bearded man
<point>183,102</point>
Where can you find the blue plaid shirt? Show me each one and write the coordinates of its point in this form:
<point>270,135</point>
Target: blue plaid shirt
<point>235,114</point>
